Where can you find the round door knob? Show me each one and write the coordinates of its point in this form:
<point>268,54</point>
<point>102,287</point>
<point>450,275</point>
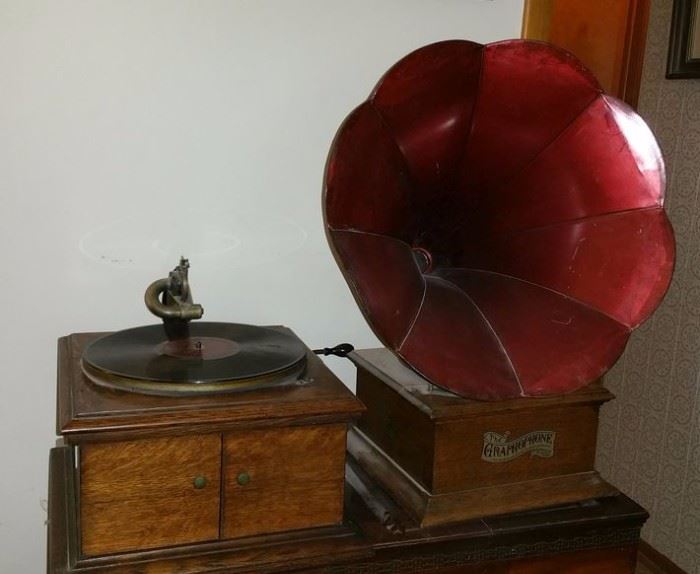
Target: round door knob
<point>243,478</point>
<point>199,482</point>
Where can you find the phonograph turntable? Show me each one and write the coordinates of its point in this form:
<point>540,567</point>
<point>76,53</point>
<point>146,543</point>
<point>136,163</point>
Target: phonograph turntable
<point>499,221</point>
<point>182,358</point>
<point>187,436</point>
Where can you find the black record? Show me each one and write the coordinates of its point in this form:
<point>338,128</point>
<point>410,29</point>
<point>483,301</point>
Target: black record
<point>217,357</point>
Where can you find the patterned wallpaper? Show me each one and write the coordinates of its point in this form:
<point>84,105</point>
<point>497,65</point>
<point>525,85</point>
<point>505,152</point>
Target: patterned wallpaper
<point>650,435</point>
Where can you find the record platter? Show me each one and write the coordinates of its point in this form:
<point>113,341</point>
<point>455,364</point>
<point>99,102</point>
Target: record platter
<point>183,358</point>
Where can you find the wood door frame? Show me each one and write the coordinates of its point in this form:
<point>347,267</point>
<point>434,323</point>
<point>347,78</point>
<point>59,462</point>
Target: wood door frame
<point>536,26</point>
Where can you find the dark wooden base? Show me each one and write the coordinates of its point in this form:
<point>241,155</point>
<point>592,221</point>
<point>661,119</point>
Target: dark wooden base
<point>430,509</point>
<point>596,537</point>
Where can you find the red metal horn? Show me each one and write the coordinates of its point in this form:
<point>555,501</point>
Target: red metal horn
<point>499,218</point>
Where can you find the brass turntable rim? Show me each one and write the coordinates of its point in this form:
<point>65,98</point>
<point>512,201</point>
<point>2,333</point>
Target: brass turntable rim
<point>141,359</point>
<point>283,377</point>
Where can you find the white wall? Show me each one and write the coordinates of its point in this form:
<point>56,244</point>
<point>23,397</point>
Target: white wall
<point>133,131</point>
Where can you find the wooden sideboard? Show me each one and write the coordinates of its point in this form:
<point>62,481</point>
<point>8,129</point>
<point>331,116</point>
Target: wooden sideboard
<point>596,537</point>
<point>263,482</point>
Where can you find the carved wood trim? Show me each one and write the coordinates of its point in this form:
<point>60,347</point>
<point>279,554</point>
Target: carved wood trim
<point>429,562</point>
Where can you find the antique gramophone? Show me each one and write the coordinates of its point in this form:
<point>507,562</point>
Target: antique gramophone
<point>499,221</point>
<point>186,437</point>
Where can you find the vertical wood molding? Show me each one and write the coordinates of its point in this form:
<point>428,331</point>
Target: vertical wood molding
<point>537,17</point>
<point>576,27</point>
<point>635,46</point>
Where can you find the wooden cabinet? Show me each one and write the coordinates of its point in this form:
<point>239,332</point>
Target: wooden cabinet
<point>282,479</point>
<point>459,445</point>
<point>148,493</point>
<point>446,458</point>
<point>160,475</point>
<point>599,537</point>
<point>124,495</point>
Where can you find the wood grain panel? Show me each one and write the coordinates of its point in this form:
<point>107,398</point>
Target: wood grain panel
<point>141,494</point>
<point>296,478</point>
<point>537,18</point>
<point>430,509</point>
<point>459,445</point>
<point>437,437</point>
<point>596,31</point>
<point>401,429</point>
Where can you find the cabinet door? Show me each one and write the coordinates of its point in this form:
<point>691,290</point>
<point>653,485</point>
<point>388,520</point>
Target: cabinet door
<point>149,493</point>
<point>282,479</point>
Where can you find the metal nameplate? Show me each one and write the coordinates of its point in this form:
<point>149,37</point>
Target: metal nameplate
<point>498,448</point>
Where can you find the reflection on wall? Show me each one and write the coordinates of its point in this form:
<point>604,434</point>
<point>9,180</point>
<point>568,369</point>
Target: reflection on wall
<point>650,436</point>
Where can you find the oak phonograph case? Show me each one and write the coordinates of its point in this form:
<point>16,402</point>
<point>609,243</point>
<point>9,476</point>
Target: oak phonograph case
<point>499,221</point>
<point>190,433</point>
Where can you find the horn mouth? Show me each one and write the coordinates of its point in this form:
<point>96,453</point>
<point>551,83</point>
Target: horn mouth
<point>498,218</point>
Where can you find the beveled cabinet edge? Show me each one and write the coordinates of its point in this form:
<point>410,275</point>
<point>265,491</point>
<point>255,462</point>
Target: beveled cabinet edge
<point>594,392</point>
<point>74,427</point>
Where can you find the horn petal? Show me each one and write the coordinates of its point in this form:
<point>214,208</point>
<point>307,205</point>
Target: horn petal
<point>463,346</point>
<point>607,160</point>
<point>544,333</point>
<point>529,93</point>
<point>427,101</point>
<point>619,263</point>
<point>387,283</point>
